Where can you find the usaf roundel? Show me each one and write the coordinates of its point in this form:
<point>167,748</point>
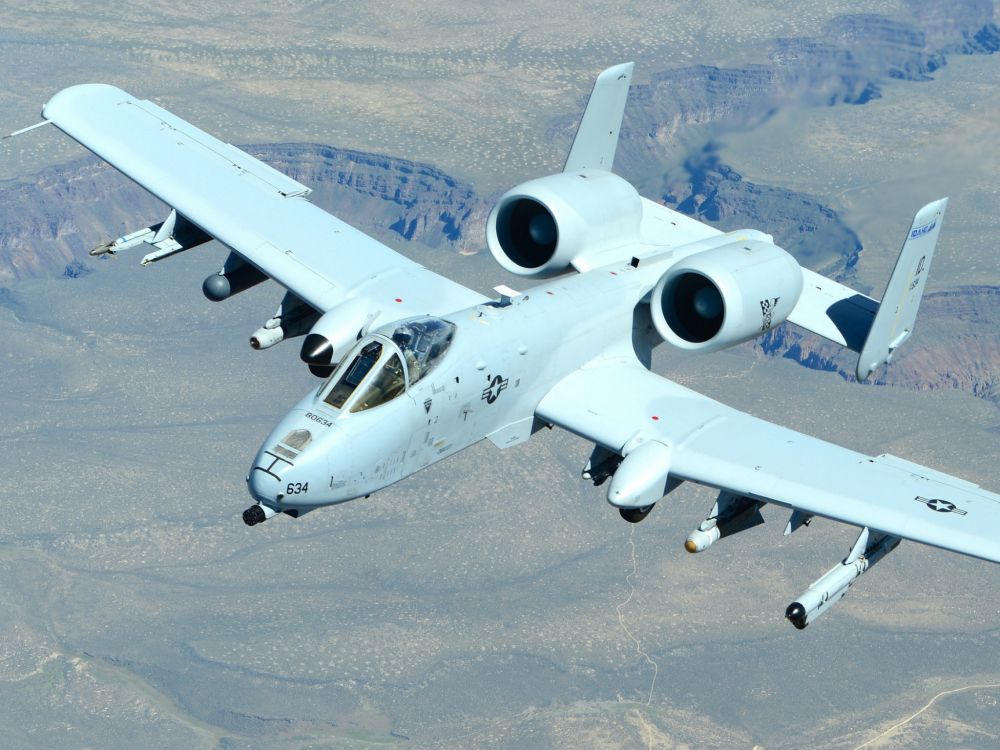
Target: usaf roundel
<point>941,506</point>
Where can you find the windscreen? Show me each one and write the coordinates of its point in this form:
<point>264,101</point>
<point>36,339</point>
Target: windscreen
<point>353,374</point>
<point>383,386</point>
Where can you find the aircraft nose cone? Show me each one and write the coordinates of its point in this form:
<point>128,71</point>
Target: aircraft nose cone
<point>263,487</point>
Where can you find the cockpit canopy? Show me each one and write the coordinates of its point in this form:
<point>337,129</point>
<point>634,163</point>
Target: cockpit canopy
<point>374,372</point>
<point>423,341</point>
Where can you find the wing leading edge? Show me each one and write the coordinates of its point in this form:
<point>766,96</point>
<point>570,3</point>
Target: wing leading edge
<point>619,405</point>
<point>247,205</point>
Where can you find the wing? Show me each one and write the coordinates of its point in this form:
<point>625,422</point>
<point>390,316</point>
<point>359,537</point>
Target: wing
<point>252,208</point>
<point>617,403</point>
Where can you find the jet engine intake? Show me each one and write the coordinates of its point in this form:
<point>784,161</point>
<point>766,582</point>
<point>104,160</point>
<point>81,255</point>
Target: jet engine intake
<point>726,295</point>
<point>542,227</point>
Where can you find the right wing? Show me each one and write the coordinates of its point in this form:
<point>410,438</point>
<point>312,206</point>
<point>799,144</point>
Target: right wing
<point>620,405</point>
<point>252,208</point>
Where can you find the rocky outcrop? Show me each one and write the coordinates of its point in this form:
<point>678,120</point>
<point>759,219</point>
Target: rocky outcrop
<point>966,28</point>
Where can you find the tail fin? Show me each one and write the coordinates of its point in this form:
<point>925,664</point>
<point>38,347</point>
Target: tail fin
<point>897,312</point>
<point>597,137</point>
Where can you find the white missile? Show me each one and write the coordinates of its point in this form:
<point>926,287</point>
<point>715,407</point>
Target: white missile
<point>700,540</point>
<point>830,588</point>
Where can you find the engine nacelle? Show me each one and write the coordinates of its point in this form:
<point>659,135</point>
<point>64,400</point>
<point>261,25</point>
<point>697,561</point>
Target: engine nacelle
<point>540,227</point>
<point>334,333</point>
<point>725,296</point>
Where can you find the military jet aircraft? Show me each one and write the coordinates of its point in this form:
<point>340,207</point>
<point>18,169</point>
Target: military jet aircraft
<point>416,367</point>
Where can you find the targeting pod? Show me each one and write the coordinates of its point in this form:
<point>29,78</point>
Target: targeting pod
<point>731,514</point>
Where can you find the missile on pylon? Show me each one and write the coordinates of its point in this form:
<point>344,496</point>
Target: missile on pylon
<point>831,587</point>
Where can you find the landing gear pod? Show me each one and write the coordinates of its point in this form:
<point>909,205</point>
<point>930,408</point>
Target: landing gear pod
<point>635,515</point>
<point>334,333</point>
<point>642,478</point>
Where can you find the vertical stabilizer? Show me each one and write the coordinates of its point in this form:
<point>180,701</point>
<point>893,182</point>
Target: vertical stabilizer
<point>597,137</point>
<point>897,312</point>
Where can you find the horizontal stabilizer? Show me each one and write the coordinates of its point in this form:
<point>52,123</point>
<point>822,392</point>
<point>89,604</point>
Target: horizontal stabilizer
<point>858,322</point>
<point>897,313</point>
<point>597,138</point>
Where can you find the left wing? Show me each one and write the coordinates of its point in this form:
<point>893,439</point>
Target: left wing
<point>622,407</point>
<point>258,212</point>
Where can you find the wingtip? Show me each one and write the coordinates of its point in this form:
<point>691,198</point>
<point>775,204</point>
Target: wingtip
<point>618,71</point>
<point>67,97</point>
<point>928,212</point>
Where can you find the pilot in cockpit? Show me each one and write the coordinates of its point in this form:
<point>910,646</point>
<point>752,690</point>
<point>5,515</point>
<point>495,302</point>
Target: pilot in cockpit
<point>403,338</point>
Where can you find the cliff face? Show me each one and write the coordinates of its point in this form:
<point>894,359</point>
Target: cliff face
<point>416,201</point>
<point>49,224</point>
<point>846,65</point>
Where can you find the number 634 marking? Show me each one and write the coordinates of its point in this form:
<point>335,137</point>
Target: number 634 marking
<point>296,488</point>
